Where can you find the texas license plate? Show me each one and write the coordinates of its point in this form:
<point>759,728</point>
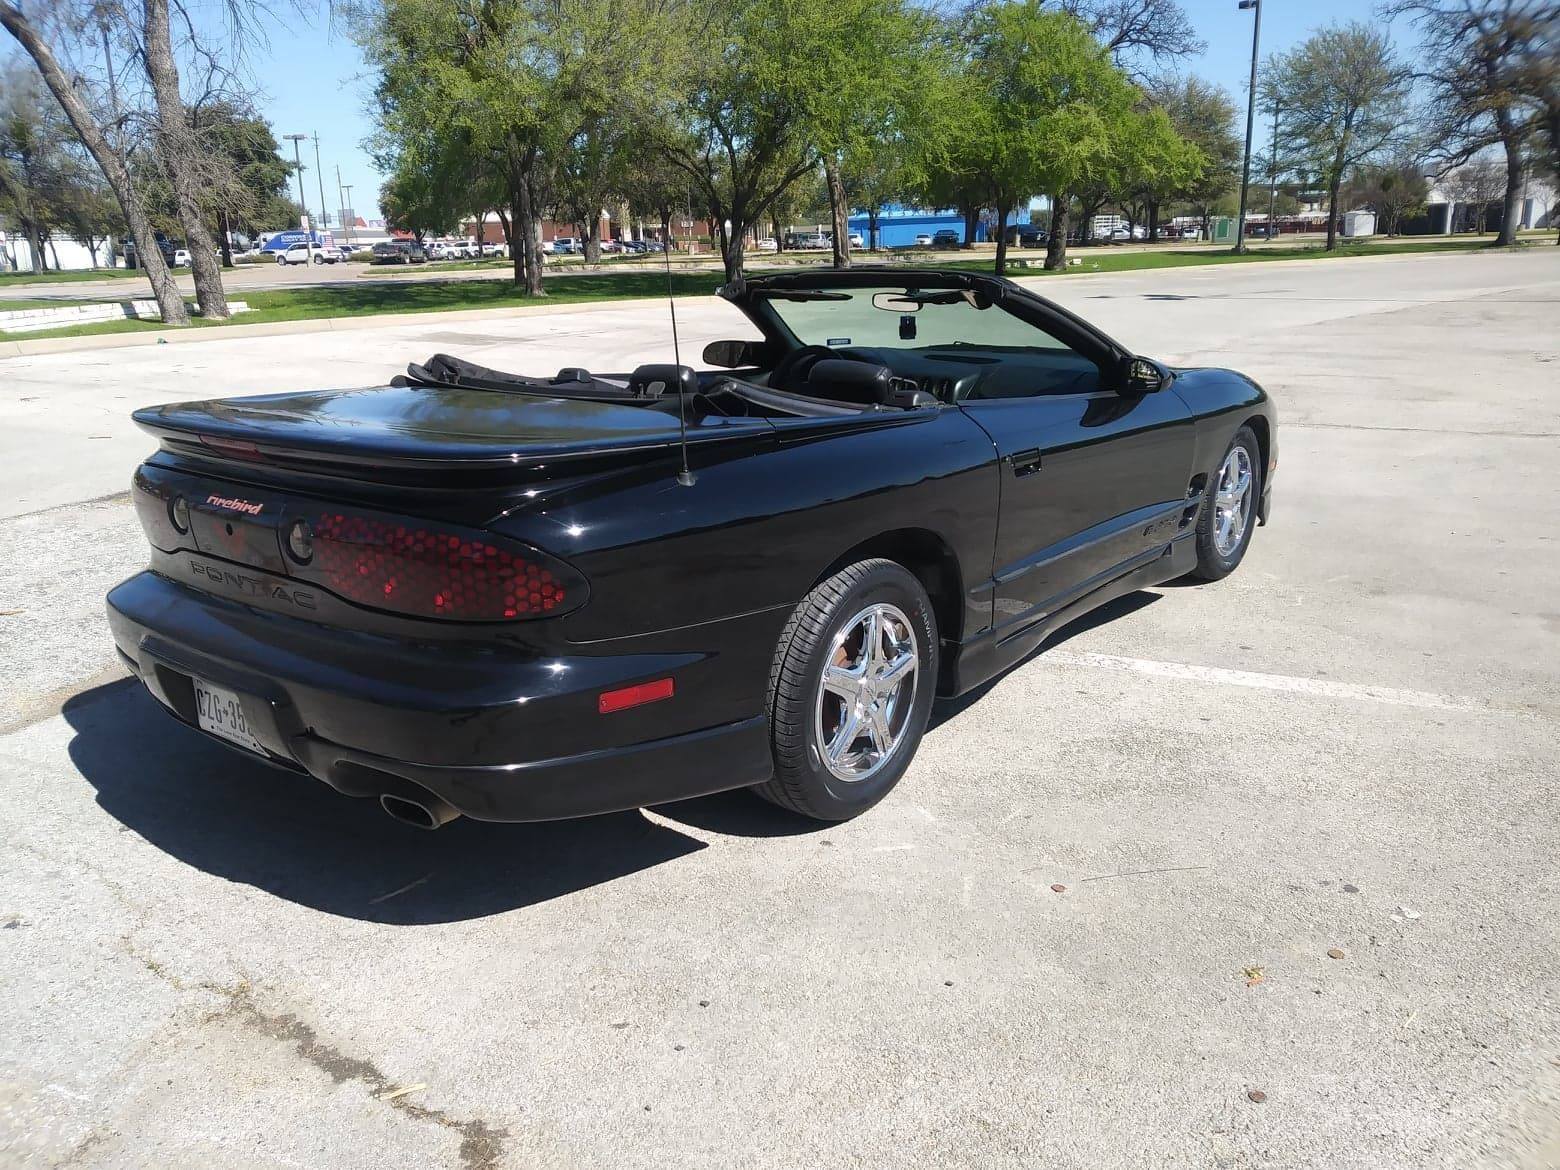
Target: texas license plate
<point>220,712</point>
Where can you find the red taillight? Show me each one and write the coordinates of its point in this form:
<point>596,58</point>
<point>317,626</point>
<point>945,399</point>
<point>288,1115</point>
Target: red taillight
<point>620,700</point>
<point>426,571</point>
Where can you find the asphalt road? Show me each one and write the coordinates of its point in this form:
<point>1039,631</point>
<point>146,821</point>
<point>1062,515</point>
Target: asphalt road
<point>1351,746</point>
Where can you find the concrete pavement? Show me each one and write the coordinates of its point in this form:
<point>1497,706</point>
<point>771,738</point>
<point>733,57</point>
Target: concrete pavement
<point>1350,745</point>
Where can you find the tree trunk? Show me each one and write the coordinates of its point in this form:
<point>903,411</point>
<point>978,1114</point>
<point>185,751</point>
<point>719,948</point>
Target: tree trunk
<point>839,213</point>
<point>177,149</point>
<point>224,234</point>
<point>874,230</point>
<point>169,302</point>
<point>35,245</point>
<point>1002,238</point>
<point>593,240</point>
<point>530,225</point>
<point>1513,205</point>
<point>1056,246</point>
<point>666,231</point>
<point>731,252</point>
<point>1153,221</point>
<point>971,224</point>
<point>779,238</point>
<point>1332,211</point>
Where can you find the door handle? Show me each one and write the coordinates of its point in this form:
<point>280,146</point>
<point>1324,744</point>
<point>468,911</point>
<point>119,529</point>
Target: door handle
<point>1025,462</point>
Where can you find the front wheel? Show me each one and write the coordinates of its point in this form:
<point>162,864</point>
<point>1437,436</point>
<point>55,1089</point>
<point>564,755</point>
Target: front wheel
<point>282,261</point>
<point>851,691</point>
<point>1229,510</point>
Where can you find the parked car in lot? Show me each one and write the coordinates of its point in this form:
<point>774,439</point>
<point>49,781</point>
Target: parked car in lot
<point>767,244</point>
<point>1027,235</point>
<point>399,252</point>
<point>899,492</point>
<point>923,240</point>
<point>945,238</point>
<point>302,252</point>
<point>181,258</point>
<point>567,246</point>
<point>857,240</point>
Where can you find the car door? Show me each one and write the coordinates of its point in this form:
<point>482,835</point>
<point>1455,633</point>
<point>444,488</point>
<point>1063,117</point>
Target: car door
<point>1093,482</point>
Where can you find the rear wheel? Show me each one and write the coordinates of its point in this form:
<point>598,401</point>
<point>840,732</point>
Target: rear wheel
<point>1229,511</point>
<point>851,690</point>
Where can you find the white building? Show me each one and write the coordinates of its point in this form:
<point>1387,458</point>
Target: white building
<point>16,253</point>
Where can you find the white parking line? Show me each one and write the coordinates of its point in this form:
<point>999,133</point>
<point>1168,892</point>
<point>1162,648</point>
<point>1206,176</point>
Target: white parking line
<point>1322,688</point>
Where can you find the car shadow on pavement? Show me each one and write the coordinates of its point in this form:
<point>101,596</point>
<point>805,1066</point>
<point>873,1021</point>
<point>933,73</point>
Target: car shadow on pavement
<point>1120,607</point>
<point>298,839</point>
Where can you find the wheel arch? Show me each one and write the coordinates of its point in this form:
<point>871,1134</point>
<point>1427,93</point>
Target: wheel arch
<point>928,556</point>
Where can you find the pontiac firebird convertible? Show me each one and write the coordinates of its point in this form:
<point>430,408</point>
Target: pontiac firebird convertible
<point>520,598</point>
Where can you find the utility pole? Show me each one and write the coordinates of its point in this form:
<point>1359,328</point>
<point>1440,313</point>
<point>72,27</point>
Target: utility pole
<point>319,172</point>
<point>303,204</point>
<point>346,204</point>
<point>1251,114</point>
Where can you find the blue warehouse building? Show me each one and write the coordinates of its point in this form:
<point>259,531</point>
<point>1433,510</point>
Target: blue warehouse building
<point>898,226</point>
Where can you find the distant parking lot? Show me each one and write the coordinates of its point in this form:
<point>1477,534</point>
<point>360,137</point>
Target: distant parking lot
<point>1255,874</point>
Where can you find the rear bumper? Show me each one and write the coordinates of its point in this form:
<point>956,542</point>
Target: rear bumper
<point>499,732</point>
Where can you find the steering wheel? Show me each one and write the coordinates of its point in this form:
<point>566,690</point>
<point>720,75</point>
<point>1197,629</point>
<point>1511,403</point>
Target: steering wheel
<point>791,371</point>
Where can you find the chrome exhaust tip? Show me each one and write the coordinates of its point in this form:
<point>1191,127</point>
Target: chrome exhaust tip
<point>421,812</point>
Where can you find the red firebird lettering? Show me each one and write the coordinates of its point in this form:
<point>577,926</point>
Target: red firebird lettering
<point>235,505</point>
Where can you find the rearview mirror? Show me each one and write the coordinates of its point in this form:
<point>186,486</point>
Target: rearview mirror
<point>728,355</point>
<point>1141,375</point>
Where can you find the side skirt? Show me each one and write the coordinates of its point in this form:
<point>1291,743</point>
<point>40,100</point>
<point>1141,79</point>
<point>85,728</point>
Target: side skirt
<point>983,658</point>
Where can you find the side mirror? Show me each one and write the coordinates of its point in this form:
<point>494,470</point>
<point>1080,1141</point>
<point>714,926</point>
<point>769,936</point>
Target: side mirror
<point>729,355</point>
<point>1141,375</point>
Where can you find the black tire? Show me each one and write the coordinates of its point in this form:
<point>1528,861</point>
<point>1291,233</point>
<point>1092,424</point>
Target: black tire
<point>1212,564</point>
<point>802,782</point>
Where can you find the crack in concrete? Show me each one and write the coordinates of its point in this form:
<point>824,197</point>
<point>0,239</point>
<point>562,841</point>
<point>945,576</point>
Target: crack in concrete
<point>481,1145</point>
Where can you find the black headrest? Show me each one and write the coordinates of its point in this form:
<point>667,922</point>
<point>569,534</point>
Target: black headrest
<point>843,380</point>
<point>660,378</point>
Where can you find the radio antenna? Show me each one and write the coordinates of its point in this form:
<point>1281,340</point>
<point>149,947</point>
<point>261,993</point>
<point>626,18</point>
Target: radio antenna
<point>685,477</point>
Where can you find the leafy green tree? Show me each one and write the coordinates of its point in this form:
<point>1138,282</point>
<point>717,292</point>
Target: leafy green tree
<point>1204,115</point>
<point>769,85</point>
<point>511,87</point>
<point>1344,95</point>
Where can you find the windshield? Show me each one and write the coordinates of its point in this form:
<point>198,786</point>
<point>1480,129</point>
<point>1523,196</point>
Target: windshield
<point>898,317</point>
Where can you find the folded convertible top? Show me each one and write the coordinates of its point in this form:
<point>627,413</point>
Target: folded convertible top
<point>442,369</point>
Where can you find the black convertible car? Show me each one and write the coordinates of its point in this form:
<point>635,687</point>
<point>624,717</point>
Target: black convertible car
<point>521,598</point>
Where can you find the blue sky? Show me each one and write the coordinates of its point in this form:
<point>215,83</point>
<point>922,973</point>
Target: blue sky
<point>314,80</point>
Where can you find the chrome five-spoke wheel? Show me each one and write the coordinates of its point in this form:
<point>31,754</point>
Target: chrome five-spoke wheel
<point>867,692</point>
<point>1233,501</point>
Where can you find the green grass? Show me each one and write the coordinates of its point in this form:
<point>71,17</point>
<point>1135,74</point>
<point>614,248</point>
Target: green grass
<point>1102,258</point>
<point>8,279</point>
<point>433,296</point>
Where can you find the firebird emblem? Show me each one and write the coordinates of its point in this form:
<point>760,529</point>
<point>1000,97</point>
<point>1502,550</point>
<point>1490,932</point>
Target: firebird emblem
<point>234,504</point>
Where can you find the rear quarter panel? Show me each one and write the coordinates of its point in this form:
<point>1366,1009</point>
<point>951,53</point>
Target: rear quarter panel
<point>757,528</point>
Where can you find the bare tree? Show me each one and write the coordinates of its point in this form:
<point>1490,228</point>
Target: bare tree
<point>1476,51</point>
<point>62,84</point>
<point>1132,30</point>
<point>1476,184</point>
<point>179,153</point>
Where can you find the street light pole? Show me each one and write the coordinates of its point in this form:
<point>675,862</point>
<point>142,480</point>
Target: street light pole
<point>303,205</point>
<point>1251,114</point>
